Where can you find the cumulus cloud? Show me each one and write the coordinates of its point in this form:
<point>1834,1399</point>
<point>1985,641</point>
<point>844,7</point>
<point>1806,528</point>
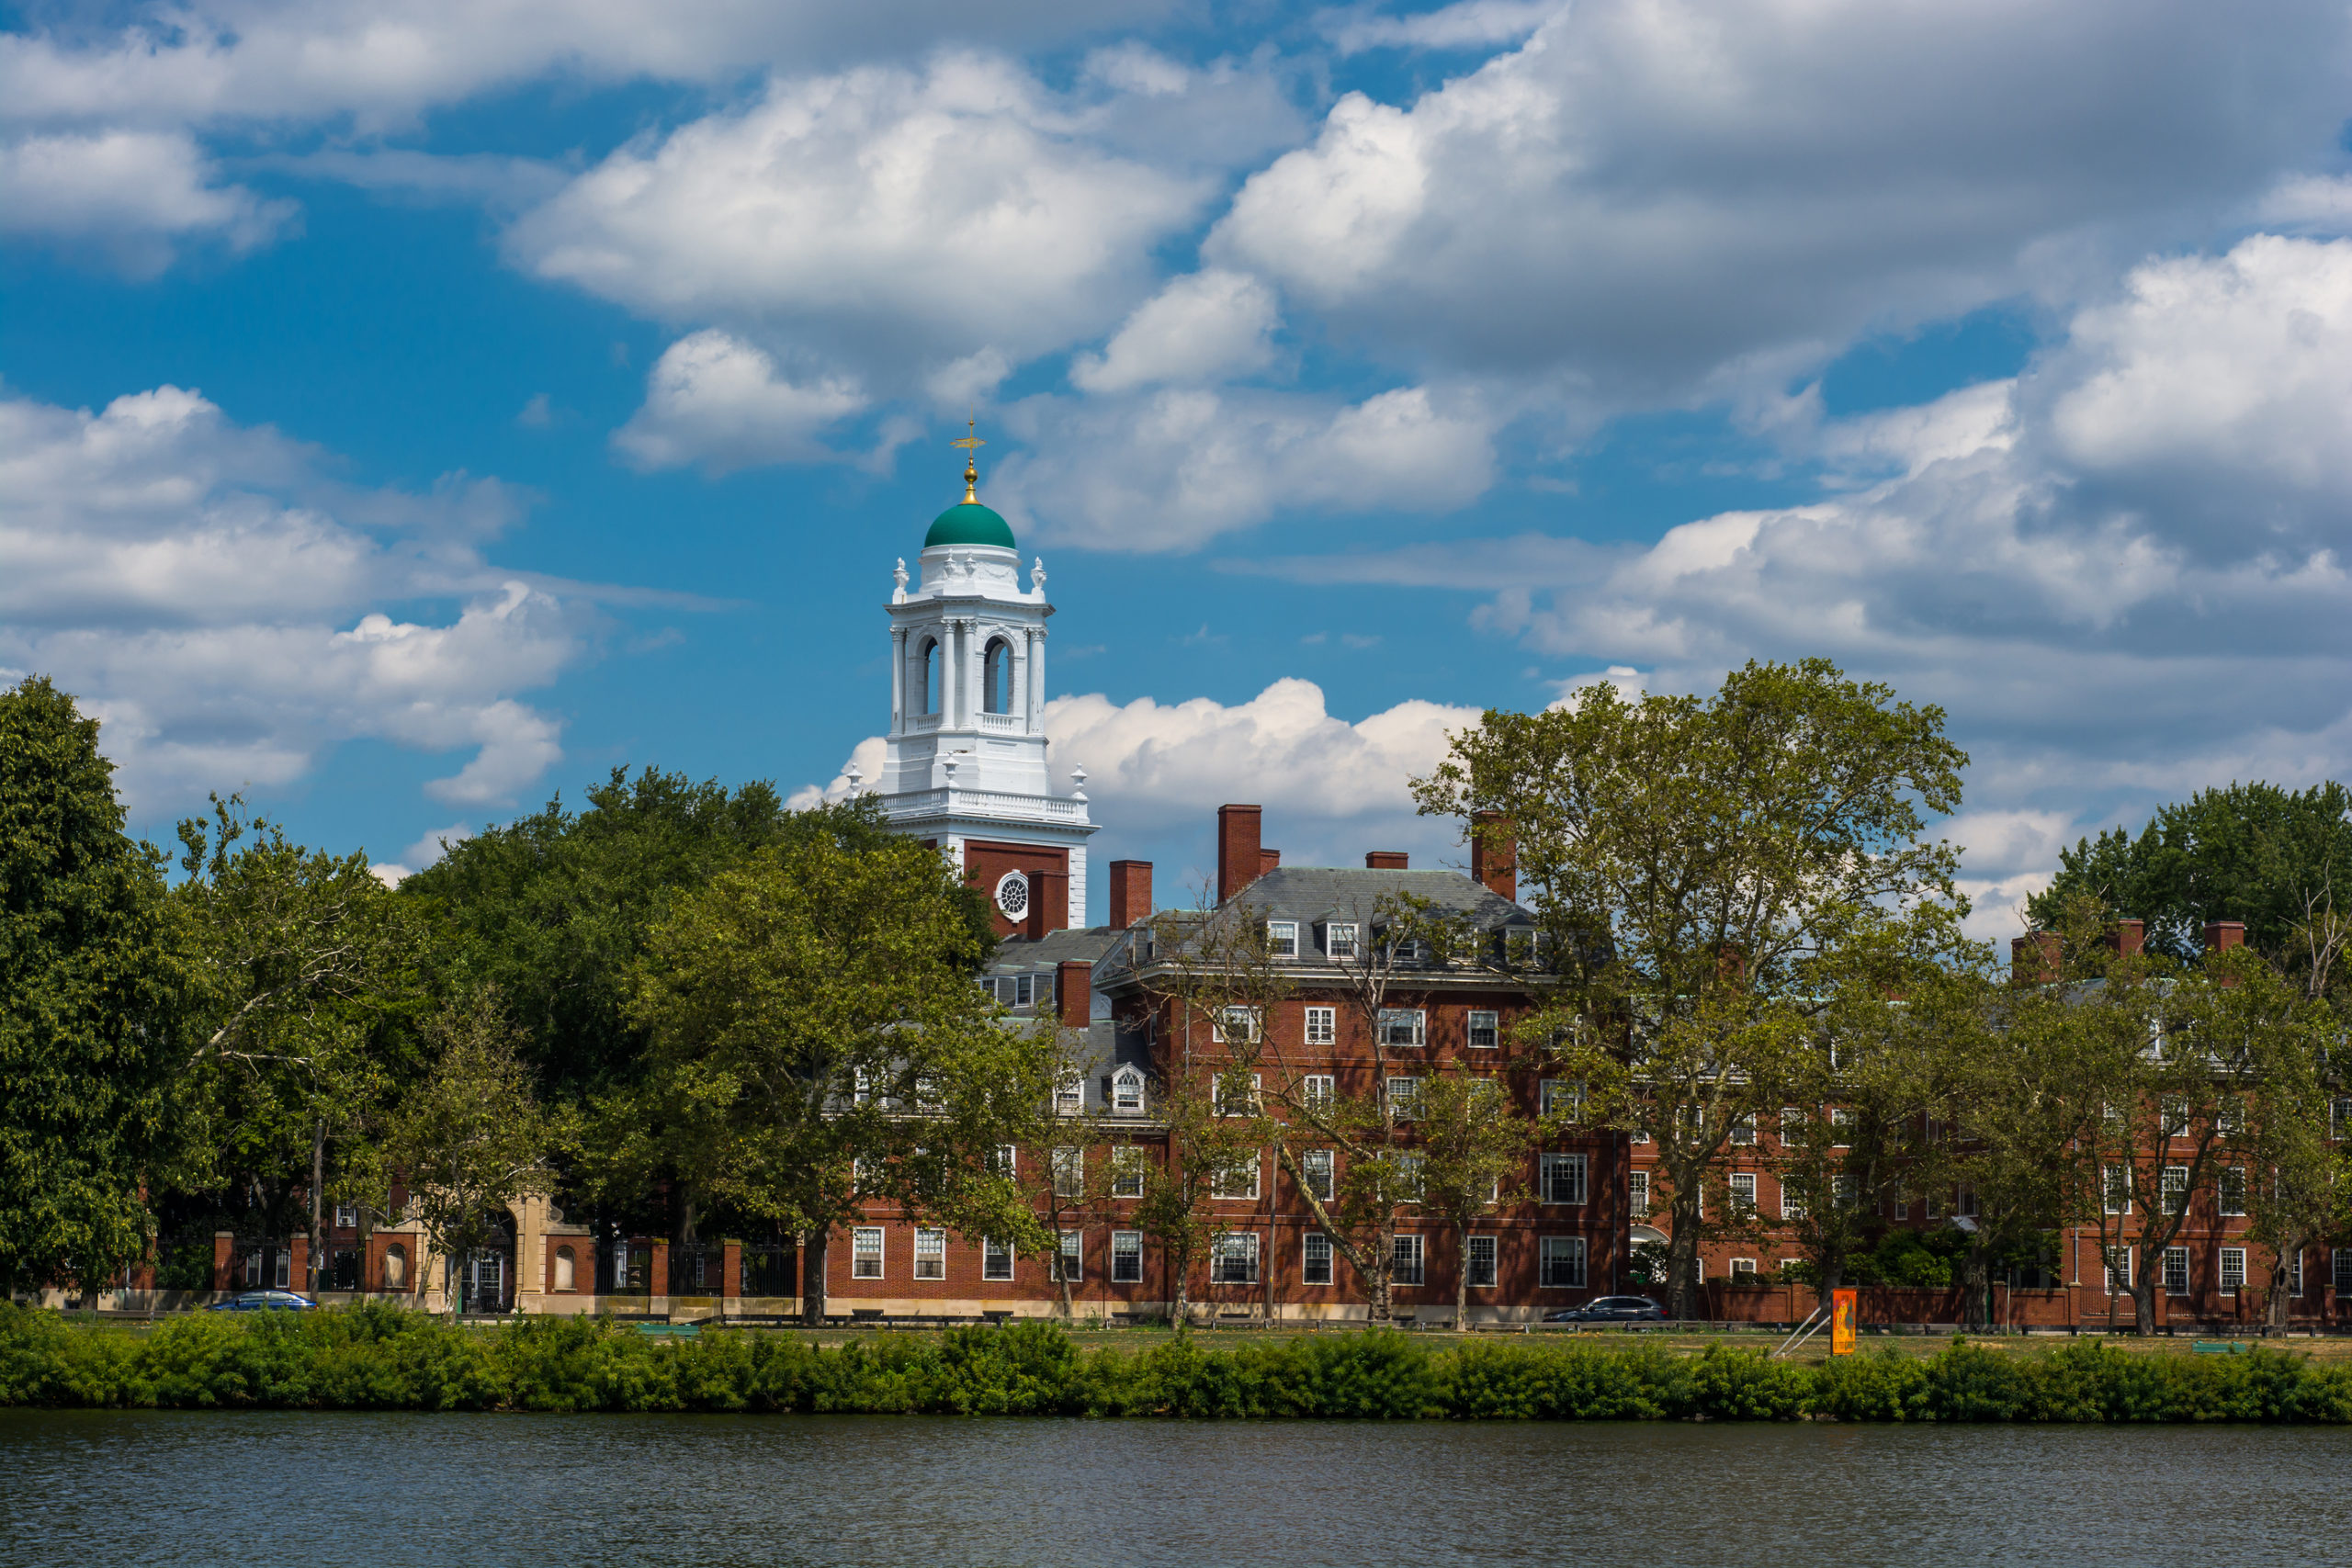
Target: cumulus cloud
<point>715,399</point>
<point>1468,24</point>
<point>1206,326</point>
<point>1157,773</point>
<point>1172,468</point>
<point>1661,201</point>
<point>134,197</point>
<point>918,216</point>
<point>2123,573</point>
<point>209,596</point>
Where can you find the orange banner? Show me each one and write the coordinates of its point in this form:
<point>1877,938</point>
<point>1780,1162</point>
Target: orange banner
<point>1842,1310</point>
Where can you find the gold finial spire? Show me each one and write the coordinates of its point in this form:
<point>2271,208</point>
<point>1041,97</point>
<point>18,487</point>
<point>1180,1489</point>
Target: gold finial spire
<point>971,443</point>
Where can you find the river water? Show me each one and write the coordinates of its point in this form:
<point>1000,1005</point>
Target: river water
<point>105,1487</point>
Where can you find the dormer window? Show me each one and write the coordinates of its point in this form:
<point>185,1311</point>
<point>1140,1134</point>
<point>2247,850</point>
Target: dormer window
<point>1126,1092</point>
<point>1339,941</point>
<point>1281,938</point>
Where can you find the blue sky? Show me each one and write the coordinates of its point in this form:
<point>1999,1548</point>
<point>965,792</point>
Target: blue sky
<point>406,416</point>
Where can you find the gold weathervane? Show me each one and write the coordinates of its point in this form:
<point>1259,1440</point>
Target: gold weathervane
<point>971,443</point>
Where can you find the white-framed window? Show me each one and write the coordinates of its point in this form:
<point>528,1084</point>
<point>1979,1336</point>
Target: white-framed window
<point>2295,1273</point>
<point>1845,1192</point>
<point>1073,1256</point>
<point>1007,1161</point>
<point>2119,1189</point>
<point>1236,1094</point>
<point>1638,1194</point>
<point>1315,1172</point>
<point>865,1253</point>
<point>1234,1260</point>
<point>1069,1173</point>
<point>2119,1269</point>
<point>1070,1097</point>
<point>1743,1192</point>
<point>1314,1259</point>
<point>1743,1129</point>
<point>1127,1091</point>
<point>931,1254</point>
<point>2230,1191</point>
<point>1282,937</point>
<point>1127,1171</point>
<point>1560,1179</point>
<point>1406,1176</point>
<point>2176,1270</point>
<point>1560,1097</point>
<point>1791,1124</point>
<point>1126,1258</point>
<point>1322,1026</point>
<point>1841,1121</point>
<point>996,1260</point>
<point>1237,1025</point>
<point>2341,1271</point>
<point>2339,1118</point>
<point>1237,1180</point>
<point>1485,1031</point>
<point>1321,1090</point>
<point>1405,1098</point>
<point>1743,1270</point>
<point>1403,1028</point>
<point>2176,1189</point>
<point>2233,1271</point>
<point>1560,1262</point>
<point>2174,1109</point>
<point>1407,1267</point>
<point>1340,939</point>
<point>1791,1199</point>
<point>861,1085</point>
<point>1479,1262</point>
<point>2229,1116</point>
<point>346,1216</point>
<point>1965,1205</point>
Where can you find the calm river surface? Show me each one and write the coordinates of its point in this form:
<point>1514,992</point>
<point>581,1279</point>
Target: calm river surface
<point>92,1487</point>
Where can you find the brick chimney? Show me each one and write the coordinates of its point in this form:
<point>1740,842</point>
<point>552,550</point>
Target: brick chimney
<point>1268,859</point>
<point>2128,938</point>
<point>1048,902</point>
<point>1130,893</point>
<point>1494,854</point>
<point>2034,959</point>
<point>1074,992</point>
<point>1236,849</point>
<point>2223,935</point>
<point>1386,860</point>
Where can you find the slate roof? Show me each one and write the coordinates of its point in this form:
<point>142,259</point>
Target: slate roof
<point>1311,893</point>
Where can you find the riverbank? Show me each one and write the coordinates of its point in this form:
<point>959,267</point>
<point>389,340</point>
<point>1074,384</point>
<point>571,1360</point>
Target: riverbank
<point>382,1359</point>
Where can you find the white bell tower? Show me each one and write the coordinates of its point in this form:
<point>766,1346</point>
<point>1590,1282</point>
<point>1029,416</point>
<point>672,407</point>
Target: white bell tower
<point>964,764</point>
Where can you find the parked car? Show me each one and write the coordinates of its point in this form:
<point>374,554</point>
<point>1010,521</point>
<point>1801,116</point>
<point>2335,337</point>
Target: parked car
<point>264,1300</point>
<point>1610,1308</point>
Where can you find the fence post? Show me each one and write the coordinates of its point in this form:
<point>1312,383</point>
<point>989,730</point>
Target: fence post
<point>730,1270</point>
<point>224,1247</point>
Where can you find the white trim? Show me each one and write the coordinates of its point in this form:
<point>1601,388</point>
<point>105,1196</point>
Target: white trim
<point>1491,1027</point>
<point>1126,1245</point>
<point>860,1255</point>
<point>1322,1026</point>
<point>1307,1248</point>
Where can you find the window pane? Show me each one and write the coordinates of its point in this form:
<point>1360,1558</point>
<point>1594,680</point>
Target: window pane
<point>1315,1266</point>
<point>1126,1258</point>
<point>1481,1262</point>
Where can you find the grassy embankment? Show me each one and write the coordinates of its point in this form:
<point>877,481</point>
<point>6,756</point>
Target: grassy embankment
<point>384,1359</point>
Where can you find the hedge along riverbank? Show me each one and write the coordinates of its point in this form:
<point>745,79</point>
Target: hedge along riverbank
<point>376,1358</point>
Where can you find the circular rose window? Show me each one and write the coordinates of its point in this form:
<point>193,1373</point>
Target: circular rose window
<point>1013,895</point>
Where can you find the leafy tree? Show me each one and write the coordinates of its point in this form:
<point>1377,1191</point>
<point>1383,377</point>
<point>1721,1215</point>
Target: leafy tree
<point>818,1042</point>
<point>1473,1142</point>
<point>1205,1140</point>
<point>2252,852</point>
<point>94,994</point>
<point>306,959</point>
<point>472,1139</point>
<point>1711,872</point>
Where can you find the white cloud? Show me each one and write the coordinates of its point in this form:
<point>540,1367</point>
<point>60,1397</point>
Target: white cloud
<point>918,216</point>
<point>428,851</point>
<point>208,594</point>
<point>1157,773</point>
<point>715,399</point>
<point>135,196</point>
<point>2122,574</point>
<point>1205,326</point>
<point>1170,469</point>
<point>1467,24</point>
<point>1672,200</point>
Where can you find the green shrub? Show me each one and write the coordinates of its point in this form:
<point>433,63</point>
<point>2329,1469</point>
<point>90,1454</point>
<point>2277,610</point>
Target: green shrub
<point>383,1358</point>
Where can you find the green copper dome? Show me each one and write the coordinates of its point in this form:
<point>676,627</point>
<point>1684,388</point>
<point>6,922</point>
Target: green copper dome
<point>970,522</point>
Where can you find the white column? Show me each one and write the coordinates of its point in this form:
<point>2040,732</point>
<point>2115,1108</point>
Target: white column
<point>897,680</point>
<point>951,673</point>
<point>1037,680</point>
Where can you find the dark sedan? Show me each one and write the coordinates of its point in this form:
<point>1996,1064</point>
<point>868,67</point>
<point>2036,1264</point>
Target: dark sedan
<point>263,1301</point>
<point>1610,1308</point>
